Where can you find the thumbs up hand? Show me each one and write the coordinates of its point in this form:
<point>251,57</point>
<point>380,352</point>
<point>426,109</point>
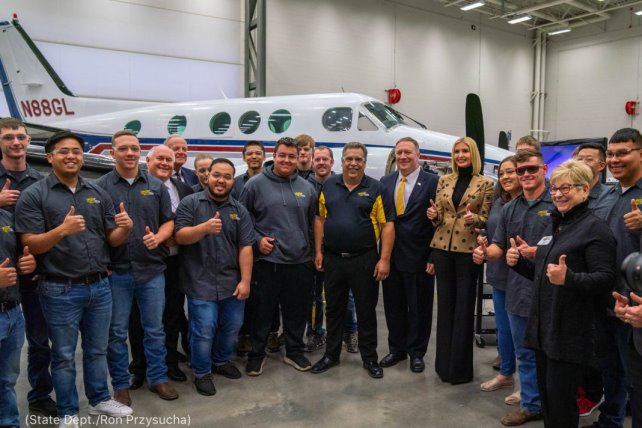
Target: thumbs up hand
<point>149,239</point>
<point>512,254</point>
<point>479,253</point>
<point>122,218</point>
<point>8,197</point>
<point>73,224</point>
<point>8,275</point>
<point>26,262</point>
<point>432,212</point>
<point>469,217</point>
<point>524,249</point>
<point>633,219</point>
<point>556,273</point>
<point>215,224</point>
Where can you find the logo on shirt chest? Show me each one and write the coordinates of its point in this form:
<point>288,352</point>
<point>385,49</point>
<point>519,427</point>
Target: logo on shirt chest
<point>637,202</point>
<point>92,200</point>
<point>543,213</point>
<point>363,194</point>
<point>146,192</point>
<point>299,194</point>
<point>7,228</point>
<point>234,216</point>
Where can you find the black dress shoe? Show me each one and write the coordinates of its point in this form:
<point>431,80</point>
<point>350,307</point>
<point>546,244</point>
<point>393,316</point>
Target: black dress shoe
<point>45,406</point>
<point>323,365</point>
<point>417,365</point>
<point>374,369</point>
<point>136,381</point>
<point>391,359</point>
<point>176,374</point>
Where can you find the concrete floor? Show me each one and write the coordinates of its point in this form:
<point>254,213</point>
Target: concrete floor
<point>345,396</point>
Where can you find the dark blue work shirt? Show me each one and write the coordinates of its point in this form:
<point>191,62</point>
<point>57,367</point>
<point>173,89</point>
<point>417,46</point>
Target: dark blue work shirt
<point>43,207</point>
<point>148,203</point>
<point>8,249</point>
<point>210,267</point>
<point>529,221</point>
<point>19,181</point>
<point>496,272</point>
<point>601,200</point>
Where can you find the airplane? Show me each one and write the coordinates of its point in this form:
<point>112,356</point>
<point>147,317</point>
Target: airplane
<point>36,95</point>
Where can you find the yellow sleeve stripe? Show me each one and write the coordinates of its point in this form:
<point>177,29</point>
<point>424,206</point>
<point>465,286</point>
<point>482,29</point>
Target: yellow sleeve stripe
<point>323,212</point>
<point>378,216</point>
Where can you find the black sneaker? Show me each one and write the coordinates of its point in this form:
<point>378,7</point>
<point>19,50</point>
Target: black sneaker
<point>254,366</point>
<point>273,344</point>
<point>298,361</point>
<point>44,406</point>
<point>315,342</point>
<point>227,370</point>
<point>204,385</point>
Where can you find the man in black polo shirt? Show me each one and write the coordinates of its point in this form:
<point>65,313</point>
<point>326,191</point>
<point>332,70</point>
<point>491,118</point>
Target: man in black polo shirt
<point>69,224</point>
<point>351,216</point>
<point>216,234</point>
<point>138,267</point>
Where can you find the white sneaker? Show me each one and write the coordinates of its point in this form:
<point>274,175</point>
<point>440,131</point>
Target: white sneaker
<point>110,407</point>
<point>69,421</point>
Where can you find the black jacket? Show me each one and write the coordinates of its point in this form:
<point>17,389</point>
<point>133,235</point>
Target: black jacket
<point>567,322</point>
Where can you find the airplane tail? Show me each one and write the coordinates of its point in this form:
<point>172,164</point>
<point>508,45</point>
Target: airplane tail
<point>32,88</point>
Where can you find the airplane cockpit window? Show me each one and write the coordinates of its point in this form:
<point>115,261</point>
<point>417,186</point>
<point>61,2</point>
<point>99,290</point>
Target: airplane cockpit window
<point>220,123</point>
<point>337,119</point>
<point>386,116</point>
<point>133,126</point>
<point>249,122</point>
<point>279,121</point>
<point>177,124</point>
<point>365,124</point>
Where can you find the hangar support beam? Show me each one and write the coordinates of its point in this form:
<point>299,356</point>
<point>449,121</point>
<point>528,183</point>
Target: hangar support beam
<point>255,49</point>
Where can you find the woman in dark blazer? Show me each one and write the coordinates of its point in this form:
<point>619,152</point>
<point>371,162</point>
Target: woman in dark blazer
<point>573,272</point>
<point>462,205</point>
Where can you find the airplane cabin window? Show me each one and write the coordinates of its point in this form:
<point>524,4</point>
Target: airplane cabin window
<point>337,119</point>
<point>279,121</point>
<point>133,126</point>
<point>220,123</point>
<point>249,122</point>
<point>365,124</point>
<point>177,124</point>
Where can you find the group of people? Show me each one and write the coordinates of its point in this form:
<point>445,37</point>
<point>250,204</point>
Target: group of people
<point>117,258</point>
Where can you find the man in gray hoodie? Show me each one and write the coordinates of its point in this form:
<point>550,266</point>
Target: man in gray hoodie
<point>282,205</point>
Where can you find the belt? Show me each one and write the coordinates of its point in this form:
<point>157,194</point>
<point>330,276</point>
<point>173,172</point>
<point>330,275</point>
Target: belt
<point>84,279</point>
<point>7,306</point>
<point>351,255</point>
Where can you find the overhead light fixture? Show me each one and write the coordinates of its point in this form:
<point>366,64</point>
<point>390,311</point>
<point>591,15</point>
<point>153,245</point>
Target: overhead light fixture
<point>565,30</point>
<point>520,19</point>
<point>639,12</point>
<point>473,6</point>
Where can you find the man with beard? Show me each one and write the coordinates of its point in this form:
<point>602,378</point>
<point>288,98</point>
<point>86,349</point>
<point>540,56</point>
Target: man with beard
<point>179,146</point>
<point>216,234</point>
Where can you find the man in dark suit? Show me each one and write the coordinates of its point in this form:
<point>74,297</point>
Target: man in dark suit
<point>408,291</point>
<point>178,145</point>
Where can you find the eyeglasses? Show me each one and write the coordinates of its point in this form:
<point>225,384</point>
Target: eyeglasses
<point>531,169</point>
<point>563,189</point>
<point>282,155</point>
<point>509,171</point>
<point>352,159</point>
<point>65,151</point>
<point>10,137</point>
<point>620,152</point>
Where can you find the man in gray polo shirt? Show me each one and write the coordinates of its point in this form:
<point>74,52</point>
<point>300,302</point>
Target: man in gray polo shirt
<point>216,233</point>
<point>69,224</point>
<point>138,267</point>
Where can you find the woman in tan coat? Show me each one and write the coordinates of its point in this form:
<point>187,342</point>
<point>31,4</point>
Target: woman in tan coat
<point>463,202</point>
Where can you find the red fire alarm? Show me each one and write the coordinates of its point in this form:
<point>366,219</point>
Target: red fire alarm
<point>631,108</point>
<point>394,95</point>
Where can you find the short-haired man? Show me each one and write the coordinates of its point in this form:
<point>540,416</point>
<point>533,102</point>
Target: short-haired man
<point>202,164</point>
<point>352,215</point>
<point>254,156</point>
<point>216,234</point>
<point>15,176</point>
<point>306,148</point>
<point>527,142</point>
<point>178,145</point>
<point>522,222</point>
<point>282,205</point>
<point>138,267</point>
<point>408,291</point>
<point>70,223</point>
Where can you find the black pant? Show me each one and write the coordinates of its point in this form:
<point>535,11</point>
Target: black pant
<point>635,367</point>
<point>456,284</point>
<point>408,299</point>
<point>592,383</point>
<point>248,315</point>
<point>285,285</point>
<point>558,382</point>
<point>341,275</point>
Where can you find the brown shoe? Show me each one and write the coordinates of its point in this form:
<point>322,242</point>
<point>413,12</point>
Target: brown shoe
<point>519,417</point>
<point>122,396</point>
<point>165,391</point>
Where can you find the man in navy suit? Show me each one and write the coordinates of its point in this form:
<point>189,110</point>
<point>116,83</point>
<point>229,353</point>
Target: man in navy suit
<point>178,145</point>
<point>408,291</point>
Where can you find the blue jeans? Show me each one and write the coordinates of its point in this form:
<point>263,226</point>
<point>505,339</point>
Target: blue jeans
<point>150,297</point>
<point>351,316</point>
<point>12,337</point>
<point>615,374</point>
<point>214,327</point>
<point>504,337</point>
<point>527,367</point>
<point>70,309</point>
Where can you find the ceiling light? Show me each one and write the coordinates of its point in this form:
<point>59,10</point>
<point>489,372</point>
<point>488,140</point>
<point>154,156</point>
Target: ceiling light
<point>639,12</point>
<point>565,30</point>
<point>520,19</point>
<point>473,6</point>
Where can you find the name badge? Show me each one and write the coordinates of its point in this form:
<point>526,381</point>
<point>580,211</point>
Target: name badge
<point>545,240</point>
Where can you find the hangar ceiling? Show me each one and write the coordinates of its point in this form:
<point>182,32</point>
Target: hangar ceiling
<point>548,16</point>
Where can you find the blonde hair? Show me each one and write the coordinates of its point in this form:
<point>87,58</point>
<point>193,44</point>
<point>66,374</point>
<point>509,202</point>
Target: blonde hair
<point>475,158</point>
<point>578,172</point>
